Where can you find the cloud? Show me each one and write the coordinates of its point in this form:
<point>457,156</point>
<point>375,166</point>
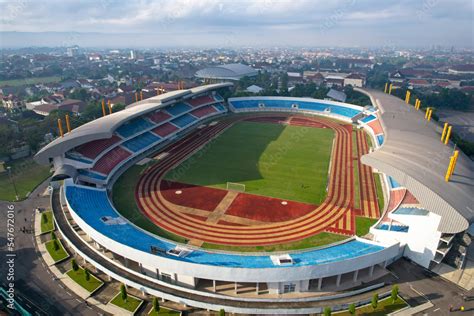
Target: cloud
<point>346,22</point>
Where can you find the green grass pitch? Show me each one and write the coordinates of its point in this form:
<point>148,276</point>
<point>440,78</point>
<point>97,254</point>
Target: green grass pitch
<point>287,162</point>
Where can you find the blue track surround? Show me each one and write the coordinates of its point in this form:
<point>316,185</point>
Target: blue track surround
<point>380,139</point>
<point>393,184</point>
<point>368,119</point>
<point>92,205</point>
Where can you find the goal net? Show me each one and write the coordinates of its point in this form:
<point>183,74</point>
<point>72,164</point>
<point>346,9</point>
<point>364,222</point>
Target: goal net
<point>237,187</point>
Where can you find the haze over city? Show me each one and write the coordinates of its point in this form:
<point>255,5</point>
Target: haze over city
<point>220,23</point>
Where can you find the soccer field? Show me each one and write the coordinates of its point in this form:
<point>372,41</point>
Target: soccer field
<point>287,162</point>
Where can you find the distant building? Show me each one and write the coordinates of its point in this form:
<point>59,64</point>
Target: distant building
<point>355,80</point>
<point>133,56</point>
<point>69,105</point>
<point>462,69</point>
<point>226,72</point>
<point>254,89</point>
<point>337,95</point>
<point>350,63</point>
<point>72,51</point>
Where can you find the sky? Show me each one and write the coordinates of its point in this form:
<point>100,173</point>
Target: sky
<point>236,23</point>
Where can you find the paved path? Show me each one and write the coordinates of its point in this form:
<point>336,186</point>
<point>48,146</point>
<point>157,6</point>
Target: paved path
<point>34,284</point>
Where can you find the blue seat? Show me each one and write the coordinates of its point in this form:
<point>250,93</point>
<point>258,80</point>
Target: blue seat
<point>132,127</point>
<point>177,109</point>
<point>141,141</point>
<point>183,120</point>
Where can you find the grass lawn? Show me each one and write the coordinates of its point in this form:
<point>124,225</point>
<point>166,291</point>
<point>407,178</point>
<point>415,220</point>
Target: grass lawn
<point>164,311</point>
<point>124,201</point>
<point>49,225</point>
<point>356,170</point>
<point>378,185</point>
<point>317,240</point>
<point>363,225</point>
<point>131,304</point>
<point>384,307</point>
<point>287,162</point>
<point>26,174</point>
<point>28,81</point>
<point>58,255</point>
<point>80,278</point>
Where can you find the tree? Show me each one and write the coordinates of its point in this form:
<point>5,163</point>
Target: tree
<point>44,218</point>
<point>87,274</point>
<point>53,236</point>
<point>74,265</point>
<point>55,245</point>
<point>352,309</point>
<point>375,301</point>
<point>222,312</point>
<point>123,292</point>
<point>156,305</point>
<point>327,311</point>
<point>394,294</point>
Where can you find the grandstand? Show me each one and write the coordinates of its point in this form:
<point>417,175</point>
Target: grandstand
<point>419,219</point>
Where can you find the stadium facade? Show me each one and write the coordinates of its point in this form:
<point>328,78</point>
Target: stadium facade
<point>421,220</point>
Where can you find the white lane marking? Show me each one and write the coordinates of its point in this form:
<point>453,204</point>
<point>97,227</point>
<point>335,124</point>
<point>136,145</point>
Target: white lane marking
<point>436,310</point>
<point>68,293</point>
<point>78,300</point>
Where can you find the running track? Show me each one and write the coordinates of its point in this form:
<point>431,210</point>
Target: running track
<point>336,206</point>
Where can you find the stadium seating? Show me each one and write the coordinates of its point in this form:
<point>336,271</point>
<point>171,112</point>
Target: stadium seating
<point>369,118</point>
<point>302,105</point>
<point>183,120</point>
<point>93,149</point>
<point>92,174</point>
<point>164,129</point>
<point>159,116</point>
<point>134,126</point>
<point>108,161</point>
<point>204,111</point>
<point>220,107</point>
<point>177,109</point>
<point>380,139</point>
<point>205,99</point>
<point>140,142</point>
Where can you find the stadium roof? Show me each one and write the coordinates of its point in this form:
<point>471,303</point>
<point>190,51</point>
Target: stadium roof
<point>105,126</point>
<point>415,157</point>
<point>226,72</point>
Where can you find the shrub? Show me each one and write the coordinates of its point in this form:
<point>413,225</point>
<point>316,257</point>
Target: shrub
<point>87,274</point>
<point>74,265</point>
<point>327,311</point>
<point>156,305</point>
<point>123,292</point>
<point>222,312</point>
<point>352,309</point>
<point>394,294</point>
<point>53,236</point>
<point>44,218</point>
<point>55,245</point>
<point>375,301</point>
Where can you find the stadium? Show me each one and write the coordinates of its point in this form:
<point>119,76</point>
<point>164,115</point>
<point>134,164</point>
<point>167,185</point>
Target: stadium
<point>259,204</point>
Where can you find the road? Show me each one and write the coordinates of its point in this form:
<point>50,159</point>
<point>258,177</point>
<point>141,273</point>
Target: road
<point>418,285</point>
<point>34,285</point>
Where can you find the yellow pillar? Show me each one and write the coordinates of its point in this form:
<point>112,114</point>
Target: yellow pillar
<point>60,126</point>
<point>419,104</point>
<point>430,112</point>
<point>456,154</point>
<point>448,135</point>
<point>407,97</point>
<point>426,113</point>
<point>103,108</point>
<point>110,106</point>
<point>386,87</point>
<point>448,172</point>
<point>68,124</point>
<point>445,129</point>
<point>390,88</point>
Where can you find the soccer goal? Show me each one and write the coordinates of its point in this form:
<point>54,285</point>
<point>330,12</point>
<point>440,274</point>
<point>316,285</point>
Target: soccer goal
<point>237,187</point>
